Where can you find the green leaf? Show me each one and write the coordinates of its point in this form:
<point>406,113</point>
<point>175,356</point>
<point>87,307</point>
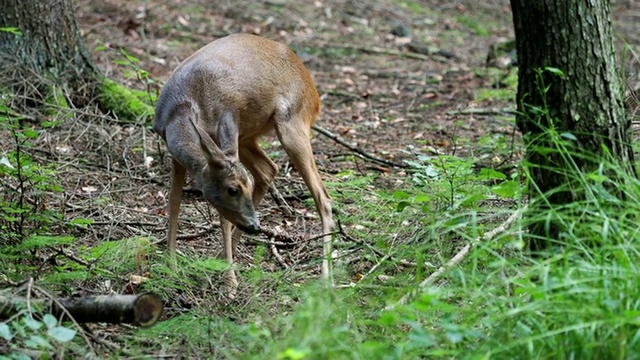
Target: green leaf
<point>293,354</point>
<point>37,341</point>
<point>490,174</point>
<point>61,334</point>
<point>569,136</point>
<point>32,323</point>
<point>48,124</point>
<point>599,178</point>
<point>555,71</point>
<point>11,30</point>
<point>431,171</point>
<point>402,205</point>
<point>19,329</point>
<point>143,73</point>
<point>81,222</point>
<point>473,198</point>
<point>388,319</point>
<point>5,331</point>
<point>131,58</point>
<point>30,133</point>
<point>507,189</point>
<point>49,320</point>
<point>399,194</point>
<point>38,241</point>
<point>422,198</point>
<point>100,48</point>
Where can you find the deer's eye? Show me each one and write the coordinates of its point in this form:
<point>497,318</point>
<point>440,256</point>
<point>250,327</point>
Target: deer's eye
<point>232,191</point>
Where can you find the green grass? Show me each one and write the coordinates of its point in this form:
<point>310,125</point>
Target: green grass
<point>495,94</point>
<point>474,25</point>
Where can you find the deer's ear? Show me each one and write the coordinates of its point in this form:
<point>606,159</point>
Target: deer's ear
<point>228,135</point>
<point>215,157</point>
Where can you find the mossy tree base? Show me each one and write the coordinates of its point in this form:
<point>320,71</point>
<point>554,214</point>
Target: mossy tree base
<point>125,103</point>
<point>44,63</point>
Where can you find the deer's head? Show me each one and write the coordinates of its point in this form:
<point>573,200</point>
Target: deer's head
<point>224,181</point>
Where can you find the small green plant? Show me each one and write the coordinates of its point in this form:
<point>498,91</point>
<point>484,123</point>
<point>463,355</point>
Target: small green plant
<point>28,184</point>
<point>27,217</point>
<point>451,181</point>
<point>26,335</point>
<point>132,69</point>
<point>11,30</point>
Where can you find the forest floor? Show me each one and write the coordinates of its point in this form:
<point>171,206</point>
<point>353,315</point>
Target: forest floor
<point>399,80</point>
<point>395,79</point>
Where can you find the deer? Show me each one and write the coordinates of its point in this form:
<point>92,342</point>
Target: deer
<point>211,113</point>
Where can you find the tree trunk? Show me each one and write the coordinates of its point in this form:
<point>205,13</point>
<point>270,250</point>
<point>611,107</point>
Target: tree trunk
<point>49,45</point>
<point>581,106</point>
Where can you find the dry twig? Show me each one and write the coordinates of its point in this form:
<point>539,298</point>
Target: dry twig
<point>380,51</point>
<point>276,254</point>
<point>359,152</point>
<point>482,111</point>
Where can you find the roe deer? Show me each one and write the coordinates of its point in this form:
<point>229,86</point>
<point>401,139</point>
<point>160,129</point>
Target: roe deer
<point>211,113</point>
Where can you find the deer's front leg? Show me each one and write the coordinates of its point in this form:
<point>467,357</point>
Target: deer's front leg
<point>230,282</point>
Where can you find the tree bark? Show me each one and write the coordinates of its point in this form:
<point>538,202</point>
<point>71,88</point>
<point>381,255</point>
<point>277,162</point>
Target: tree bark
<point>49,45</point>
<point>585,99</point>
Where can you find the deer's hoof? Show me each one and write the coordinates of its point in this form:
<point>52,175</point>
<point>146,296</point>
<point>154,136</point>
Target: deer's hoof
<point>230,285</point>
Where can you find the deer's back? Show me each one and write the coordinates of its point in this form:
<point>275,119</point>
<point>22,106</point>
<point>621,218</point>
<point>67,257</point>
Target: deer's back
<point>250,76</point>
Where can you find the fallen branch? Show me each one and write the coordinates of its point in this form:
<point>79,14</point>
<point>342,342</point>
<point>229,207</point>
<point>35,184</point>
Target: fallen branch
<point>359,152</point>
<point>380,51</point>
<point>279,200</point>
<point>142,310</point>
<point>482,111</point>
<point>455,260</point>
<point>278,257</point>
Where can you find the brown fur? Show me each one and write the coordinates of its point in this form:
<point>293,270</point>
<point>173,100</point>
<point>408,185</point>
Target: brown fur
<point>212,111</point>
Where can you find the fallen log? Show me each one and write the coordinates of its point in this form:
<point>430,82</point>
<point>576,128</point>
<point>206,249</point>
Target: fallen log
<point>142,310</point>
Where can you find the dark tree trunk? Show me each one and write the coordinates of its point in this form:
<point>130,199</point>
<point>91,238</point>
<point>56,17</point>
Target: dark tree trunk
<point>586,100</point>
<point>49,45</point>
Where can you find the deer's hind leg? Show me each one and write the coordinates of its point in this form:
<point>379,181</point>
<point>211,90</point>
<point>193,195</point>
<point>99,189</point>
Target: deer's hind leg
<point>294,136</point>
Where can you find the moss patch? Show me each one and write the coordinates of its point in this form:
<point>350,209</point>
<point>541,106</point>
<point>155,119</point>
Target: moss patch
<point>126,103</point>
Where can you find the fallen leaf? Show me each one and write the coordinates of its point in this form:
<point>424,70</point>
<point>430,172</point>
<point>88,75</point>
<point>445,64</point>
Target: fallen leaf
<point>184,22</point>
<point>148,161</point>
<point>137,279</point>
<point>443,143</point>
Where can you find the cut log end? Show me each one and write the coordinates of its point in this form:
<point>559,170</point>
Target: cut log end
<point>147,309</point>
